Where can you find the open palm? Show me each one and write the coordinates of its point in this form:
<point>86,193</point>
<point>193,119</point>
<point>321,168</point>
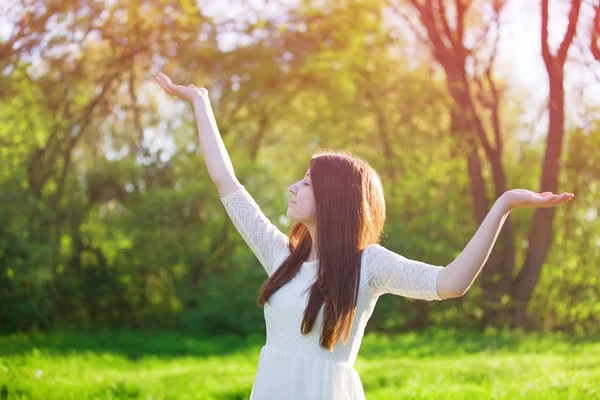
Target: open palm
<point>523,198</point>
<point>187,93</point>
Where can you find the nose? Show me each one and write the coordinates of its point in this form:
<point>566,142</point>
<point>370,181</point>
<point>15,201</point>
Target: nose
<point>292,188</point>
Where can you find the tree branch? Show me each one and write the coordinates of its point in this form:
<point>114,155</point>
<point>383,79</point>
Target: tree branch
<point>400,12</point>
<point>595,42</point>
<point>545,48</point>
<point>571,29</point>
<point>445,25</point>
<point>461,9</point>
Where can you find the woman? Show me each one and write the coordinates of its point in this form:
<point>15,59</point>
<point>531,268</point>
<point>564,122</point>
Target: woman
<point>326,276</point>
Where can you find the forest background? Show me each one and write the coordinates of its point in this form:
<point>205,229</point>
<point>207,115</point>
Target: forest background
<point>108,218</point>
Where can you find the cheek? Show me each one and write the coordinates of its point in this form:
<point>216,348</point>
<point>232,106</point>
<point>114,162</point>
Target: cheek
<point>307,198</point>
<point>306,202</point>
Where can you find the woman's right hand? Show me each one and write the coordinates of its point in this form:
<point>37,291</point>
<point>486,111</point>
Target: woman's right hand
<point>187,93</point>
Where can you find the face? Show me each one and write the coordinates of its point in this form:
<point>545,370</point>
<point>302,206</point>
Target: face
<point>301,207</point>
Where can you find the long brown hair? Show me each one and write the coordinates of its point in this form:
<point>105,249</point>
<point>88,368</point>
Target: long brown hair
<point>350,214</point>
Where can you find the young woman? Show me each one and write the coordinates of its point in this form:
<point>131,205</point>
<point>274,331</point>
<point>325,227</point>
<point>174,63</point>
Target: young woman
<point>326,276</point>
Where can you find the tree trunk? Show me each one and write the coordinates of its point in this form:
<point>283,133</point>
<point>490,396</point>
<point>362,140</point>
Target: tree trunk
<point>496,275</point>
<point>542,232</point>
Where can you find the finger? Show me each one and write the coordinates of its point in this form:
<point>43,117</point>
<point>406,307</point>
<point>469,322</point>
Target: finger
<point>552,203</point>
<point>167,79</point>
<point>558,200</point>
<point>169,87</point>
<point>175,90</point>
<point>554,198</point>
<point>567,197</point>
<point>157,79</point>
<point>162,84</point>
<point>546,200</point>
<point>177,94</point>
<point>172,88</point>
<point>544,196</point>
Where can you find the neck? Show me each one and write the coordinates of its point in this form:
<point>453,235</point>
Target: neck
<point>312,229</point>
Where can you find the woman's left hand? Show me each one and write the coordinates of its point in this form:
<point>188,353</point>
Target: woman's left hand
<point>523,198</point>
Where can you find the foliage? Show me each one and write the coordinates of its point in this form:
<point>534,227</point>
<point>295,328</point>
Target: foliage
<point>108,218</point>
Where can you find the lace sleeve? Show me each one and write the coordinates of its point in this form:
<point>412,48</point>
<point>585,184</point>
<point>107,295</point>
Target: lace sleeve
<point>389,272</point>
<point>268,243</point>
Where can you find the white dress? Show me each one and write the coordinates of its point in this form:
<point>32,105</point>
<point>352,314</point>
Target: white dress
<point>293,366</point>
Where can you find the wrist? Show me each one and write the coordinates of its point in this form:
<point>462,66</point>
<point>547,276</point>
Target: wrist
<point>502,204</point>
<point>200,100</point>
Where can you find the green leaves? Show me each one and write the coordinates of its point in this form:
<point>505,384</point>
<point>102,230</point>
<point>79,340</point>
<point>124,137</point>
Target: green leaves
<point>107,213</point>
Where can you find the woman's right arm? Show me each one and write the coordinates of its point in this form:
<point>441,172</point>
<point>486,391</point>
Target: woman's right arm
<point>217,159</point>
<point>215,154</point>
<point>268,243</point>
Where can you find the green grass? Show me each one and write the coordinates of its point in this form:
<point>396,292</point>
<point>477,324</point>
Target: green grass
<point>430,365</point>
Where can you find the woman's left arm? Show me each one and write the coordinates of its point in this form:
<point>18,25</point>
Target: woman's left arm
<point>459,275</point>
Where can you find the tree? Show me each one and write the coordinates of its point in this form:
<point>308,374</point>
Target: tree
<point>595,37</point>
<point>541,233</point>
<point>475,94</point>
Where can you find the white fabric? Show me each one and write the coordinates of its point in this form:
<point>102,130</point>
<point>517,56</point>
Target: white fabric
<point>293,366</point>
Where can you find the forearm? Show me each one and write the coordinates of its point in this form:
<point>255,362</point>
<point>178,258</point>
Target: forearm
<point>462,272</point>
<point>217,159</point>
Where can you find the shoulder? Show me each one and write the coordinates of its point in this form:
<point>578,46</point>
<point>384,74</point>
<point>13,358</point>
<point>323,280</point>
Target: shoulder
<point>378,257</point>
<point>372,246</point>
<point>374,255</point>
<point>372,252</point>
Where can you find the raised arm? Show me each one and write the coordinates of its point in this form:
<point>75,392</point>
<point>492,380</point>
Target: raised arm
<point>217,159</point>
<point>266,241</point>
<point>390,272</point>
<point>460,274</point>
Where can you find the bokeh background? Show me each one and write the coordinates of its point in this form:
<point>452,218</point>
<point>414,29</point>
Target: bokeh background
<point>121,275</point>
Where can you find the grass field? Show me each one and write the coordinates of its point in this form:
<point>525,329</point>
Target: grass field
<point>430,365</point>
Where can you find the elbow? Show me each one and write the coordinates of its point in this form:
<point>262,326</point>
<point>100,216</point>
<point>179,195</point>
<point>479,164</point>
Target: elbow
<point>463,290</point>
<point>447,286</point>
<point>227,186</point>
<point>458,292</point>
<point>449,295</point>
